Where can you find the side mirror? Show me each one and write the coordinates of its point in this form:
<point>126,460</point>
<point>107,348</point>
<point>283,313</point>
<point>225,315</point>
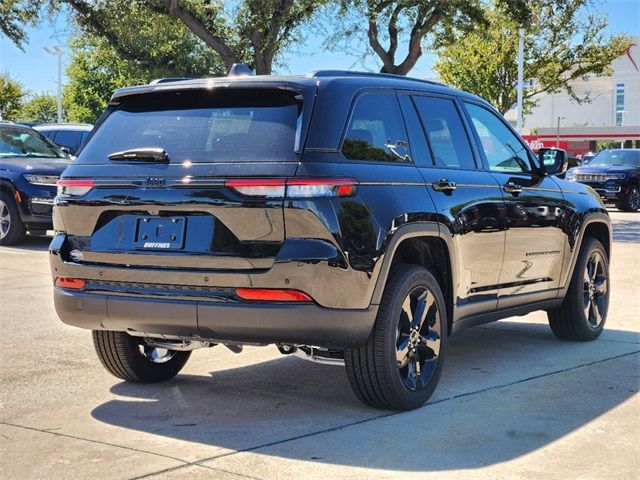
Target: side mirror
<point>554,161</point>
<point>66,151</point>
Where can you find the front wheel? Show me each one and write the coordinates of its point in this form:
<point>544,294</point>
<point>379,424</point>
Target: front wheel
<point>631,202</point>
<point>12,229</point>
<point>131,359</point>
<point>399,367</point>
<point>582,314</point>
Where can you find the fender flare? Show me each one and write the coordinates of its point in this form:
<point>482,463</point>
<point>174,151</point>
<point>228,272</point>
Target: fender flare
<point>8,185</point>
<point>591,217</point>
<point>418,229</point>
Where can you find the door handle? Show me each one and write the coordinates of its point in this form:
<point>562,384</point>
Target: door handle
<point>444,185</point>
<point>511,187</point>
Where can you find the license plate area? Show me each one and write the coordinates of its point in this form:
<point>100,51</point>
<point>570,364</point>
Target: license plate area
<point>160,233</point>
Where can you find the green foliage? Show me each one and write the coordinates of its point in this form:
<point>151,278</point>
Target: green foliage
<point>42,107</point>
<point>15,15</point>
<point>562,44</point>
<point>11,97</point>
<point>196,35</point>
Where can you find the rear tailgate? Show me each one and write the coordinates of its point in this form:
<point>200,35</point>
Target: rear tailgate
<point>181,213</point>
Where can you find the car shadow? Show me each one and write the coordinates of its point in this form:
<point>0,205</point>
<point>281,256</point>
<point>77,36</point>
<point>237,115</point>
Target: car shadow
<point>268,403</point>
<point>31,243</point>
<point>626,231</point>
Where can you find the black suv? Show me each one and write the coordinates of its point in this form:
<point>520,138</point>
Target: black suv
<point>615,175</point>
<point>346,217</point>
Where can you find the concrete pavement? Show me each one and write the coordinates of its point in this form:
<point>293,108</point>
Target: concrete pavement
<point>513,401</point>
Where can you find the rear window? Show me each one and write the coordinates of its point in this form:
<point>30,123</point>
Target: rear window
<point>203,126</point>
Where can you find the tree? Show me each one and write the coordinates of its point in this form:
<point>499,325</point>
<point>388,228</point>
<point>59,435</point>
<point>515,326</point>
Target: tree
<point>395,31</point>
<point>142,46</point>
<point>41,107</point>
<point>248,31</point>
<point>11,97</point>
<point>15,15</point>
<point>561,45</point>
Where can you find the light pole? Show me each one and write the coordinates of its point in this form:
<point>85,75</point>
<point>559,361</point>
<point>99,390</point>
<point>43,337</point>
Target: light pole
<point>58,53</point>
<point>558,132</point>
<point>520,80</point>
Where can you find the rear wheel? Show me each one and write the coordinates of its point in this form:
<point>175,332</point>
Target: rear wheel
<point>399,367</point>
<point>131,359</point>
<point>631,201</point>
<point>12,229</point>
<point>583,312</point>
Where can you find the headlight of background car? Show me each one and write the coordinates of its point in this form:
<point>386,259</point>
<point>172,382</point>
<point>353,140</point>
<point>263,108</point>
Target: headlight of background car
<point>569,175</point>
<point>616,176</point>
<point>41,179</point>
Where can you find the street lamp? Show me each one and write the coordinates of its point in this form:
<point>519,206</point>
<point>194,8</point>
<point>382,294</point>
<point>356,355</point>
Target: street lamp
<point>58,53</point>
<point>558,132</point>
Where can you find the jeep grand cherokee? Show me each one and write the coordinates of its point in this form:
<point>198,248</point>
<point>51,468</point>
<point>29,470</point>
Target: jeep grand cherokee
<point>350,217</point>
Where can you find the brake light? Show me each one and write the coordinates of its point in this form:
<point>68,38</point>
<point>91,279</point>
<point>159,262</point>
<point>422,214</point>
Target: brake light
<point>70,283</point>
<point>258,187</point>
<point>74,187</point>
<point>272,295</point>
<point>293,187</point>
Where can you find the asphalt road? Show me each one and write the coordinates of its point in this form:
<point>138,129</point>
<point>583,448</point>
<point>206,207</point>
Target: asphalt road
<point>513,401</point>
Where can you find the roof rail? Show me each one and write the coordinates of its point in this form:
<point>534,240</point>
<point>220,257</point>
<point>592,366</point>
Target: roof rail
<point>168,79</point>
<point>345,73</point>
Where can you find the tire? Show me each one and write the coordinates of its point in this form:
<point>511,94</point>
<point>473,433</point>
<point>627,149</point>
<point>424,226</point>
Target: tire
<point>631,201</point>
<point>582,314</point>
<point>12,230</point>
<point>121,354</point>
<point>374,371</point>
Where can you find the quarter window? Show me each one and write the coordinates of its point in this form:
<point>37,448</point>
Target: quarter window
<point>376,130</point>
<point>445,131</point>
<point>504,151</point>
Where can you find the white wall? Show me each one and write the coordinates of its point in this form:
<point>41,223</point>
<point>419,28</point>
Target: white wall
<point>600,112</point>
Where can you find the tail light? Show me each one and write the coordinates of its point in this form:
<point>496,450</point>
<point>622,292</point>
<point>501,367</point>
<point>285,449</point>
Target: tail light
<point>294,187</point>
<point>71,187</point>
<point>70,283</point>
<point>272,295</point>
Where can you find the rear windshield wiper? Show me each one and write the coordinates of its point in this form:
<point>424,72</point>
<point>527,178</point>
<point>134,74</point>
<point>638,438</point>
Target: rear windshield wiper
<point>156,155</point>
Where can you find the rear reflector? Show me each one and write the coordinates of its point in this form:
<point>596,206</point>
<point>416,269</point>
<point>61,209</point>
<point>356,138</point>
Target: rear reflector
<point>294,187</point>
<point>74,187</point>
<point>70,283</point>
<point>272,295</point>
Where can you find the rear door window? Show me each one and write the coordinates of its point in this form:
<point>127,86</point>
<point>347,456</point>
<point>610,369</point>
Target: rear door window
<point>68,138</point>
<point>445,132</point>
<point>376,130</point>
<point>218,126</point>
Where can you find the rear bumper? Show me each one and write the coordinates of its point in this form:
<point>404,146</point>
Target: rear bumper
<point>250,322</point>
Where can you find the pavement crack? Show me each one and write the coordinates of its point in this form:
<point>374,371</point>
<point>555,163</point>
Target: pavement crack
<point>99,442</point>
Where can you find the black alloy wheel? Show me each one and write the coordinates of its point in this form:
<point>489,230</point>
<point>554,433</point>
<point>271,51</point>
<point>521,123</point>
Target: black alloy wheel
<point>400,365</point>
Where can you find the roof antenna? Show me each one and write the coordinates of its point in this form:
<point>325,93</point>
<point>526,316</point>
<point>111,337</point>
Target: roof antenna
<point>240,70</point>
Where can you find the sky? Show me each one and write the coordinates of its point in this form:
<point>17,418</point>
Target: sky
<point>37,70</point>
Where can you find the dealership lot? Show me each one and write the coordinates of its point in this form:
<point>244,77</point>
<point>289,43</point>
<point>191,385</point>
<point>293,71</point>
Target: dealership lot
<point>513,401</point>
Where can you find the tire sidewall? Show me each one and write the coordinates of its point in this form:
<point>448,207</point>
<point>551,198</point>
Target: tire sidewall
<point>413,276</point>
<point>591,246</point>
<point>16,228</point>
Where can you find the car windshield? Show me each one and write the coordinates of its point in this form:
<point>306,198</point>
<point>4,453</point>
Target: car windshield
<point>24,142</point>
<point>616,158</point>
<point>204,126</point>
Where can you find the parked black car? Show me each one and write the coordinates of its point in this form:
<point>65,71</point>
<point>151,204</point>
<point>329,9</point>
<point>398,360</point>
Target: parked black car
<point>615,175</point>
<point>68,135</point>
<point>349,217</point>
<point>30,166</point>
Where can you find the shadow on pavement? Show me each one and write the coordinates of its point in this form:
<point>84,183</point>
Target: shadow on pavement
<point>260,405</point>
<point>35,243</point>
<point>626,231</point>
